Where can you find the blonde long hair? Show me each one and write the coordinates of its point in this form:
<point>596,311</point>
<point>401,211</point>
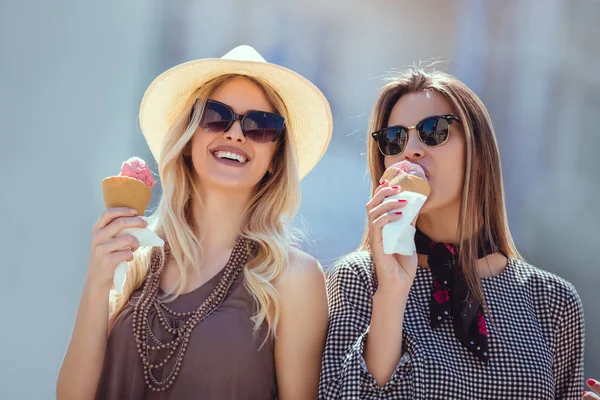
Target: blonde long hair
<point>266,220</point>
<point>482,215</point>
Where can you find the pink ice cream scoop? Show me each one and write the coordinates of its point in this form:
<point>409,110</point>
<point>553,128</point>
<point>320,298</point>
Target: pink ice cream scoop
<point>410,168</point>
<point>138,169</point>
<point>392,173</point>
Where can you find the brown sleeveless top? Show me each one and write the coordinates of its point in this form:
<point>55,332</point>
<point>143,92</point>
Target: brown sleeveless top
<point>224,358</point>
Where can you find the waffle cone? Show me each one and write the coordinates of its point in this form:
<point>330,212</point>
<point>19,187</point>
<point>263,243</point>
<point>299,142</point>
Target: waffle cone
<point>407,182</point>
<point>123,191</point>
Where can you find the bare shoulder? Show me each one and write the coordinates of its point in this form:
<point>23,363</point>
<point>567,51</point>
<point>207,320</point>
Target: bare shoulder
<point>303,273</point>
<point>302,266</point>
<point>302,327</point>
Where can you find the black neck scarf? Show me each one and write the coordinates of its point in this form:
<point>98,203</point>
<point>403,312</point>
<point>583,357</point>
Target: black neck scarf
<point>451,296</point>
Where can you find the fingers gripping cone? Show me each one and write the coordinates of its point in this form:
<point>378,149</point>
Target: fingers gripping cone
<point>398,236</point>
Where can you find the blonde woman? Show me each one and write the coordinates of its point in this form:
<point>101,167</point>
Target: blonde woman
<point>465,317</point>
<point>229,309</point>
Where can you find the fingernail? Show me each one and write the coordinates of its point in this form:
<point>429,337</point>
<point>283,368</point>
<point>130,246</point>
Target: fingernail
<point>395,187</point>
<point>401,201</point>
<point>584,393</point>
<point>591,382</point>
<point>133,211</point>
<point>398,212</point>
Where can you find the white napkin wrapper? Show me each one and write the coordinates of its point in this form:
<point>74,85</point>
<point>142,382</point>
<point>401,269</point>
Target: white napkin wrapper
<point>399,235</point>
<point>146,238</point>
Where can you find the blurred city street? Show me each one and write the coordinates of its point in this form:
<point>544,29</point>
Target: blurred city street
<point>72,75</point>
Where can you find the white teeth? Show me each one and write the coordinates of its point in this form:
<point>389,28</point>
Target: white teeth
<point>230,155</point>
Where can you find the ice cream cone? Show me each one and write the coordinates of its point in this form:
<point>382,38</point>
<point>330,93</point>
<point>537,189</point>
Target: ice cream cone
<point>123,191</point>
<point>407,182</point>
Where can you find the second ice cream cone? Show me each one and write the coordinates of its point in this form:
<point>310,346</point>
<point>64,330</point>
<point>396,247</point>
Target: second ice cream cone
<point>408,182</point>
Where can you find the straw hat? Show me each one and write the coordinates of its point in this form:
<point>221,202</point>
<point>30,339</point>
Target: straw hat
<point>309,116</point>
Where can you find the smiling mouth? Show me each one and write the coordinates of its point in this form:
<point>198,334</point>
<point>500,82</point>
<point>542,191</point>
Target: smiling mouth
<point>227,155</point>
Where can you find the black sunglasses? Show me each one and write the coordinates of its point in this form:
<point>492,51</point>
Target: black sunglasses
<point>433,131</point>
<point>258,126</point>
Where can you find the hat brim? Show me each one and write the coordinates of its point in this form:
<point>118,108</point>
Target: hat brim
<point>309,123</point>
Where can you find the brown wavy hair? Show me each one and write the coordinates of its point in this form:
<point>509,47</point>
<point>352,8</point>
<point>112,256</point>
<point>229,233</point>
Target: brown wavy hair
<point>482,215</point>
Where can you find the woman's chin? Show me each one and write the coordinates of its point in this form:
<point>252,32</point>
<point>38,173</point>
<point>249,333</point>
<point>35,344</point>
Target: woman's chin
<point>232,182</point>
<point>435,205</point>
<point>430,205</point>
<point>427,206</point>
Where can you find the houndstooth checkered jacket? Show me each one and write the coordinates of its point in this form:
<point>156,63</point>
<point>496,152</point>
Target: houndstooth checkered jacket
<point>536,337</point>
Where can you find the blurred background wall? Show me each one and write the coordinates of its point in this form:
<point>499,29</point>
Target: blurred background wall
<point>72,75</point>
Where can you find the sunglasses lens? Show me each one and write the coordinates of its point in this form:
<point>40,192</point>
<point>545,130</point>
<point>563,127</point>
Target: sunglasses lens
<point>262,127</point>
<point>434,131</point>
<point>392,141</point>
<point>216,117</point>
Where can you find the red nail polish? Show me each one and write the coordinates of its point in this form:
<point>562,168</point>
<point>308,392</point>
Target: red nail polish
<point>399,213</point>
<point>584,393</point>
<point>395,187</point>
<point>401,201</point>
<point>591,382</point>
